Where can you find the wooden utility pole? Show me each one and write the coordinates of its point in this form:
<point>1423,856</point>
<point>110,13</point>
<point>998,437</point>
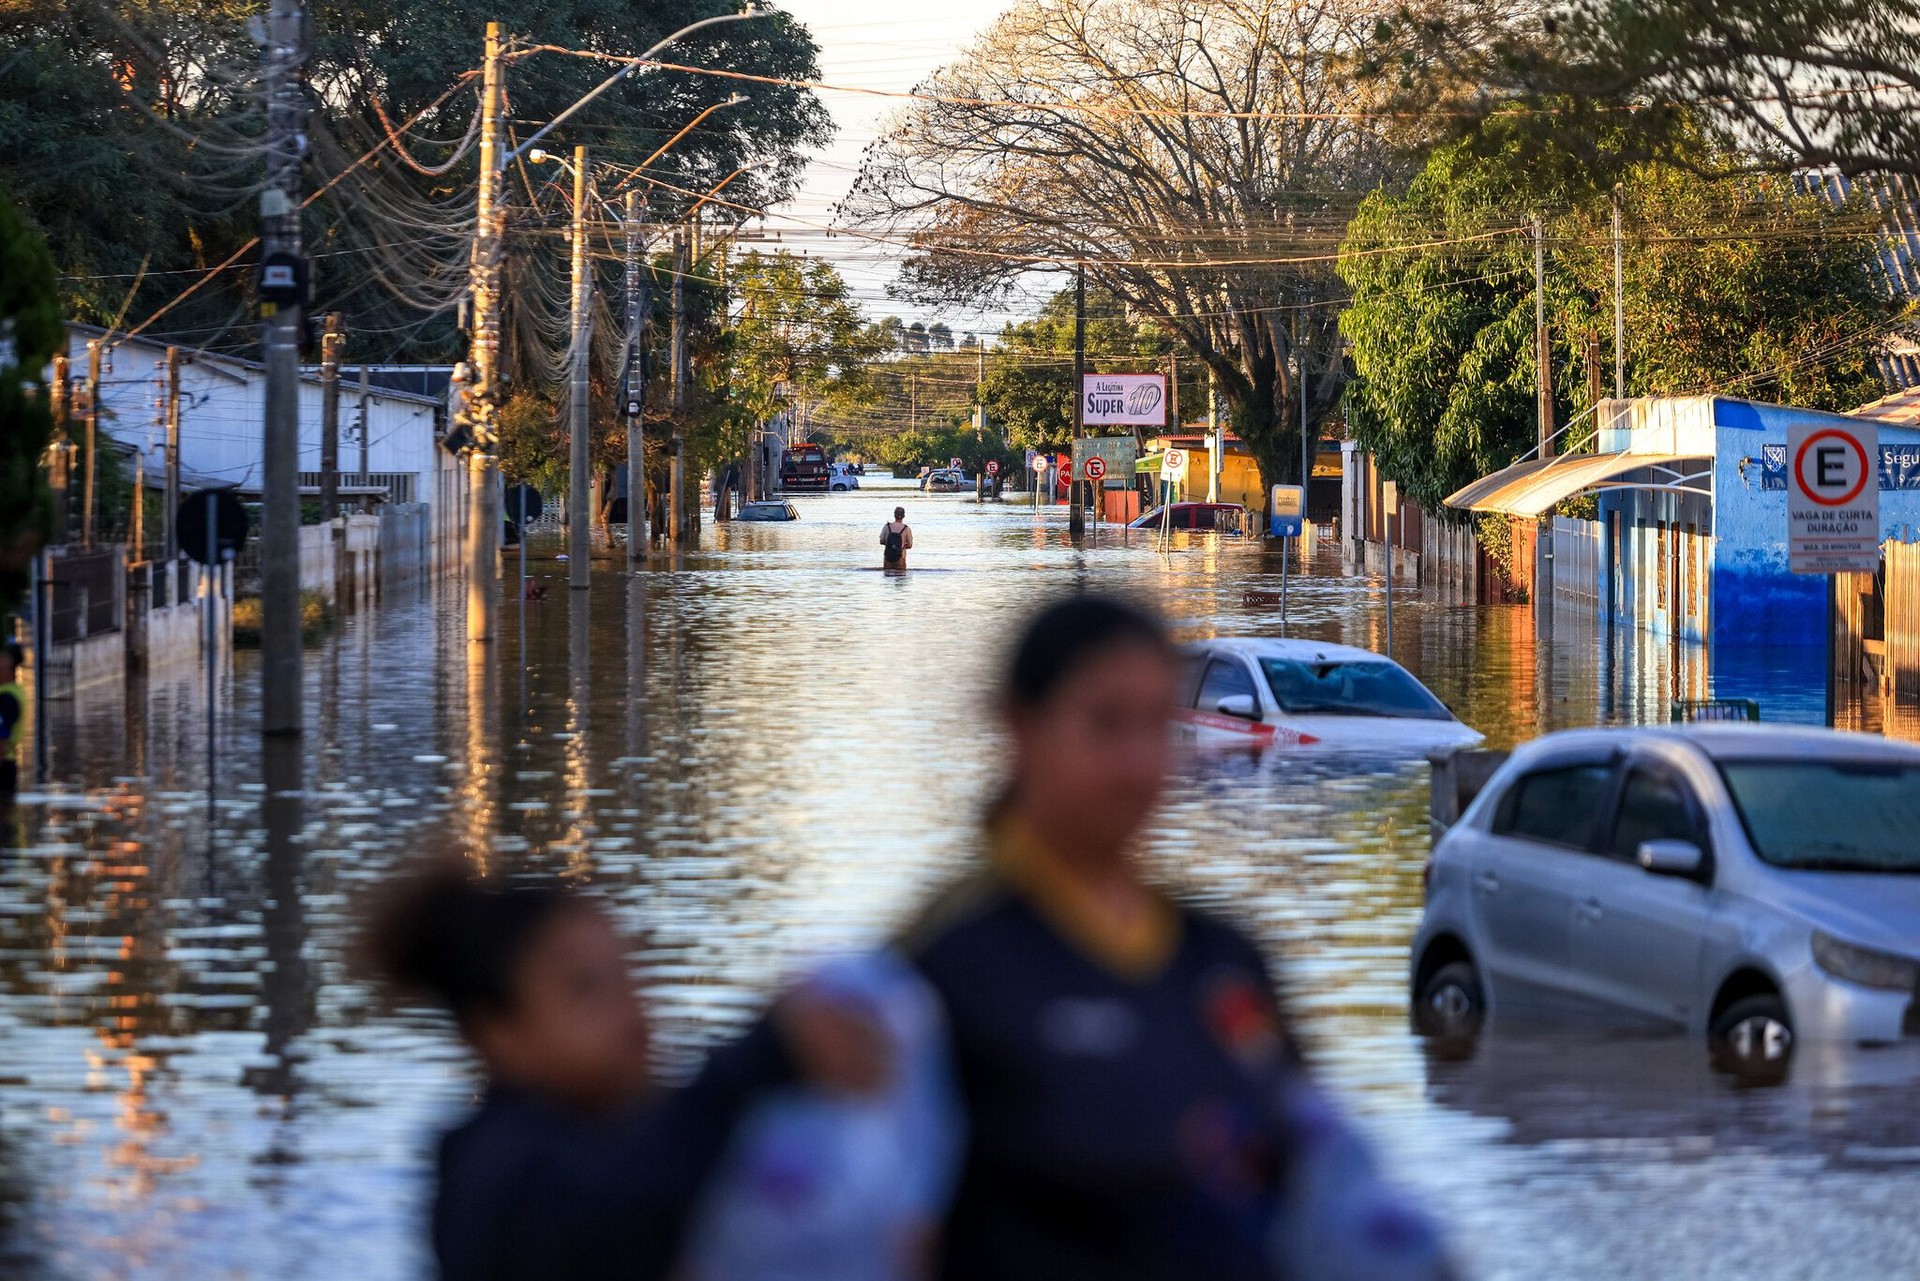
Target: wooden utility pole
<point>60,455</point>
<point>1543,356</point>
<point>1619,298</point>
<point>1076,512</point>
<point>173,452</point>
<point>579,439</point>
<point>482,404</point>
<point>282,320</point>
<point>634,394</point>
<point>330,344</point>
<point>93,442</point>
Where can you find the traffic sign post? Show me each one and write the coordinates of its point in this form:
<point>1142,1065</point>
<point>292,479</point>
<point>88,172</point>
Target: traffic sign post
<point>1833,509</point>
<point>1285,519</point>
<point>1040,465</point>
<point>993,467</point>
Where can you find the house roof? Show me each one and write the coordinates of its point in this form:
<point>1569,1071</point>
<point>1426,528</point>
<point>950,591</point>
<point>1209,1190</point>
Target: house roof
<point>391,382</point>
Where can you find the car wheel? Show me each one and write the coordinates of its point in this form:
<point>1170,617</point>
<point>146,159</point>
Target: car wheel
<point>1753,1037</point>
<point>1450,1004</point>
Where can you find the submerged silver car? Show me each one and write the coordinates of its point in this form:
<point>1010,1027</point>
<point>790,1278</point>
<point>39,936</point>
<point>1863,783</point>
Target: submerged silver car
<point>1754,884</point>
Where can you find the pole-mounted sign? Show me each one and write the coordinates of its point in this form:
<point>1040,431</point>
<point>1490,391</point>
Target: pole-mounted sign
<point>1833,498</point>
<point>1123,400</point>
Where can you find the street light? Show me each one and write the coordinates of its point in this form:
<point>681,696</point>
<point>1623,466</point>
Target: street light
<point>632,65</point>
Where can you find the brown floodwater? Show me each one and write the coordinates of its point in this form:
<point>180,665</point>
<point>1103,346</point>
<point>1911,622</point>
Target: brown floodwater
<point>761,753</point>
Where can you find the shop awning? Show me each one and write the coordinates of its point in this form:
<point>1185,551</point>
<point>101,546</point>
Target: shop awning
<point>1534,488</point>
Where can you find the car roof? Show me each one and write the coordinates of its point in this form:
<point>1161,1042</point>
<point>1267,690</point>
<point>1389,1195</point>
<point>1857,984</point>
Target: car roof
<point>1744,740</point>
<point>1307,651</point>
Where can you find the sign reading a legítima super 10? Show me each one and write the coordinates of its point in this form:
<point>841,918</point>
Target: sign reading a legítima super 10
<point>1833,498</point>
<point>1124,400</point>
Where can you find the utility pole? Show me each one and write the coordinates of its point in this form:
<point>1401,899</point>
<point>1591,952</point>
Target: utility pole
<point>1543,357</point>
<point>283,315</point>
<point>93,441</point>
<point>173,452</point>
<point>579,456</point>
<point>60,456</point>
<point>366,431</point>
<point>330,344</point>
<point>1213,436</point>
<point>677,353</point>
<point>635,392</point>
<point>483,399</point>
<point>1619,299</point>
<point>1076,514</point>
<point>1306,443</point>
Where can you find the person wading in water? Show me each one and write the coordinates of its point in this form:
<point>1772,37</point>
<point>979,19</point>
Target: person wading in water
<point>896,538</point>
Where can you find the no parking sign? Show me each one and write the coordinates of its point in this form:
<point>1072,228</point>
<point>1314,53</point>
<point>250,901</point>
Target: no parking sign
<point>1833,498</point>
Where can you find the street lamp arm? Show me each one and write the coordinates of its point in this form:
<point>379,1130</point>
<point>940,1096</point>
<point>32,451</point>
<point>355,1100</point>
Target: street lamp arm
<point>625,71</point>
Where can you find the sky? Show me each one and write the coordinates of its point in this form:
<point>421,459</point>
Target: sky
<point>874,46</point>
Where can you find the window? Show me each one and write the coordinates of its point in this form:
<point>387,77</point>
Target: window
<point>1368,688</point>
<point>1555,806</point>
<point>1831,815</point>
<point>1225,678</point>
<point>1654,807</point>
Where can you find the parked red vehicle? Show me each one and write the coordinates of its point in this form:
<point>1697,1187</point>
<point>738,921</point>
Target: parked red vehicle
<point>804,467</point>
<point>1226,517</point>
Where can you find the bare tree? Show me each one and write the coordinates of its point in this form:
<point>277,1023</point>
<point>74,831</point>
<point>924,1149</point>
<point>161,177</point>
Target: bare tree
<point>1201,158</point>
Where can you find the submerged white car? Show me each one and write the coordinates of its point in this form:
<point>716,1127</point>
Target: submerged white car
<point>1300,693</point>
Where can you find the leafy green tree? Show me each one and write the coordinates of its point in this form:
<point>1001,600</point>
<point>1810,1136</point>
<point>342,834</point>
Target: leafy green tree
<point>798,335</point>
<point>1029,383</point>
<point>1737,286</point>
<point>1807,83</point>
<point>30,334</point>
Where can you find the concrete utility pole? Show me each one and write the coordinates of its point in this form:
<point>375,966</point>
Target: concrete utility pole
<point>366,432</point>
<point>173,451</point>
<point>483,399</point>
<point>330,344</point>
<point>280,692</point>
<point>93,441</point>
<point>677,352</point>
<point>1543,356</point>
<point>1213,436</point>
<point>1076,513</point>
<point>634,394</point>
<point>1306,442</point>
<point>1619,299</point>
<point>60,454</point>
<point>579,456</point>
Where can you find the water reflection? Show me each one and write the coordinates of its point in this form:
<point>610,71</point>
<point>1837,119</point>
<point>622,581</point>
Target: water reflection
<point>758,751</point>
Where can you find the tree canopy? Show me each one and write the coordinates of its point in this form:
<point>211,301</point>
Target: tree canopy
<point>30,334</point>
<point>1799,84</point>
<point>1199,157</point>
<point>1742,287</point>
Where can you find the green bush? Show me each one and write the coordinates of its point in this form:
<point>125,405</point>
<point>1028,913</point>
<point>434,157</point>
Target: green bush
<point>317,618</point>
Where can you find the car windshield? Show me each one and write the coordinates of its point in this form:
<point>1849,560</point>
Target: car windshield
<point>1345,688</point>
<point>1830,816</point>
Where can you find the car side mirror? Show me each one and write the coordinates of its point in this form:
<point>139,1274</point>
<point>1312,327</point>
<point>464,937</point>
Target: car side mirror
<point>1240,705</point>
<point>1671,858</point>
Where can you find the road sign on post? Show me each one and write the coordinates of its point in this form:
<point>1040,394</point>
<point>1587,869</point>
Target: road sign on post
<point>1040,463</point>
<point>993,467</point>
<point>1095,468</point>
<point>1285,518</point>
<point>1833,498</point>
<point>1173,463</point>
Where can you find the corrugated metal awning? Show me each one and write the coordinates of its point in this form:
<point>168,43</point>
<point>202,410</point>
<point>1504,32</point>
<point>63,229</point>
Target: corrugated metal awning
<point>1534,488</point>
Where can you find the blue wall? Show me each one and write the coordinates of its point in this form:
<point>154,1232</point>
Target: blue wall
<point>1757,601</point>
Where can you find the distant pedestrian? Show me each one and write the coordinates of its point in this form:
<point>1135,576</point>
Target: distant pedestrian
<point>896,540</point>
<point>1124,1061</point>
<point>572,1166</point>
<point>13,714</point>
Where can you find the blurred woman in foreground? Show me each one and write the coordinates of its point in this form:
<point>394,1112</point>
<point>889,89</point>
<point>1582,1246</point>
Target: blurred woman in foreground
<point>1125,1067</point>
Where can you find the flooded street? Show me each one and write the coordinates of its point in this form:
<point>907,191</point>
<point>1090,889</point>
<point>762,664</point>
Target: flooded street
<point>763,752</point>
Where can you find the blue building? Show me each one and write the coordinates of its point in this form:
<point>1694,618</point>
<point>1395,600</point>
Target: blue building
<point>1690,536</point>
